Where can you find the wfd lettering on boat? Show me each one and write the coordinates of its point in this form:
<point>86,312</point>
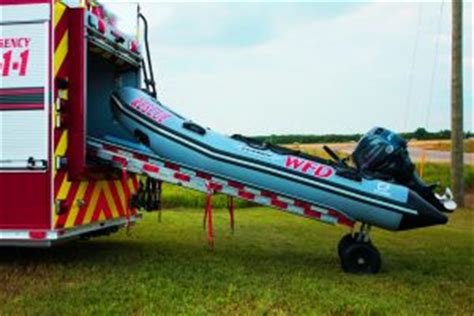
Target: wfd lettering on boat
<point>309,167</point>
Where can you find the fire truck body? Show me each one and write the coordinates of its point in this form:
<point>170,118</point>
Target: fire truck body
<point>59,63</point>
<point>77,131</point>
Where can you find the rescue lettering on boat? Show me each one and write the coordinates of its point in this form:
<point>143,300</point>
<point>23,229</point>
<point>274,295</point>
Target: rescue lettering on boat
<point>150,110</point>
<point>309,167</point>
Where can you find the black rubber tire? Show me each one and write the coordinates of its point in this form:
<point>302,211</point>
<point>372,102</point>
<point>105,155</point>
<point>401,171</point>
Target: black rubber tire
<point>361,257</point>
<point>345,242</point>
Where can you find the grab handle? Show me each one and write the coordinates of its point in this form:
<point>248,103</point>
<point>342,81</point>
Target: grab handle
<point>193,127</point>
<point>36,164</point>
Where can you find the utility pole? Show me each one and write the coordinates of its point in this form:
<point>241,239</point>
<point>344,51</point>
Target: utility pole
<point>457,132</point>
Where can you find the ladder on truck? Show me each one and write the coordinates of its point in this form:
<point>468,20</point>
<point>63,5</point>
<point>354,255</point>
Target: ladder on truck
<point>155,167</point>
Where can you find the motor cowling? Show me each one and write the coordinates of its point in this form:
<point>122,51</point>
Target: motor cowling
<point>384,154</point>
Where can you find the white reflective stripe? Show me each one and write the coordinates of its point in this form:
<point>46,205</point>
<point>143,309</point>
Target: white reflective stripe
<point>25,13</point>
<point>26,235</point>
<point>242,162</point>
<point>52,235</point>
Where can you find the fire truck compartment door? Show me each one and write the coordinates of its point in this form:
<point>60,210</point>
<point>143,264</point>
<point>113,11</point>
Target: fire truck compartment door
<point>24,86</point>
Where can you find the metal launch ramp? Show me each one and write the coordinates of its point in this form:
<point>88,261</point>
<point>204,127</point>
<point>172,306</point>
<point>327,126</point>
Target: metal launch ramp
<point>138,162</point>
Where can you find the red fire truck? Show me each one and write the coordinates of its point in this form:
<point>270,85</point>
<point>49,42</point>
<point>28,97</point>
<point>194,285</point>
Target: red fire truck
<point>59,62</point>
<point>59,177</point>
<point>70,169</point>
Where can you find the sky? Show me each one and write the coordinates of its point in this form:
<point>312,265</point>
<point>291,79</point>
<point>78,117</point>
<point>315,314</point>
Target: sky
<point>259,68</point>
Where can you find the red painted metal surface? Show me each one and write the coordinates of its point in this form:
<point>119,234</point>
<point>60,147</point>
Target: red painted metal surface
<point>16,107</point>
<point>25,197</point>
<point>25,200</point>
<point>77,147</point>
<point>13,2</point>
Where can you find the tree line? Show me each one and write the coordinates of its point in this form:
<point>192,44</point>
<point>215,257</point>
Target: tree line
<point>419,134</point>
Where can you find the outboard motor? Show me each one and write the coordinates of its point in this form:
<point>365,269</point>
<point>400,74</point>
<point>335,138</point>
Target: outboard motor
<point>383,154</point>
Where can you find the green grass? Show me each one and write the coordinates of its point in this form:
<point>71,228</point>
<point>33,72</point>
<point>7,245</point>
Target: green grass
<point>441,172</point>
<point>274,263</point>
<point>175,196</point>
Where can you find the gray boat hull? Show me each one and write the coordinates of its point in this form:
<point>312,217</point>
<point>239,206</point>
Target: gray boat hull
<point>316,181</point>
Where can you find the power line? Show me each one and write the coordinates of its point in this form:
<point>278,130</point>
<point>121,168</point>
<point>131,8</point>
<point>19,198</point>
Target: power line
<point>410,73</point>
<point>435,66</point>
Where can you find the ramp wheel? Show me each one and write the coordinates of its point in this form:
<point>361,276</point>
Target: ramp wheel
<point>361,257</point>
<point>346,241</point>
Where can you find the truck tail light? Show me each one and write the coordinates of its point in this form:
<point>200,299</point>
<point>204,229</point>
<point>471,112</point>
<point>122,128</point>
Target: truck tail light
<point>37,234</point>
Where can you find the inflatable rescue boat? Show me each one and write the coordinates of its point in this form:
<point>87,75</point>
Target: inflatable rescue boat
<point>381,189</point>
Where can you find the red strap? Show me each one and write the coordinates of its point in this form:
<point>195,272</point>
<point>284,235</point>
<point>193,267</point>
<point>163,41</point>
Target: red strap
<point>210,190</point>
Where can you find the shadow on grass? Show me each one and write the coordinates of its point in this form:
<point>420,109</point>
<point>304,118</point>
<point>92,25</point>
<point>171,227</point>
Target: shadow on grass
<point>104,252</point>
<point>443,252</point>
<point>140,255</point>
